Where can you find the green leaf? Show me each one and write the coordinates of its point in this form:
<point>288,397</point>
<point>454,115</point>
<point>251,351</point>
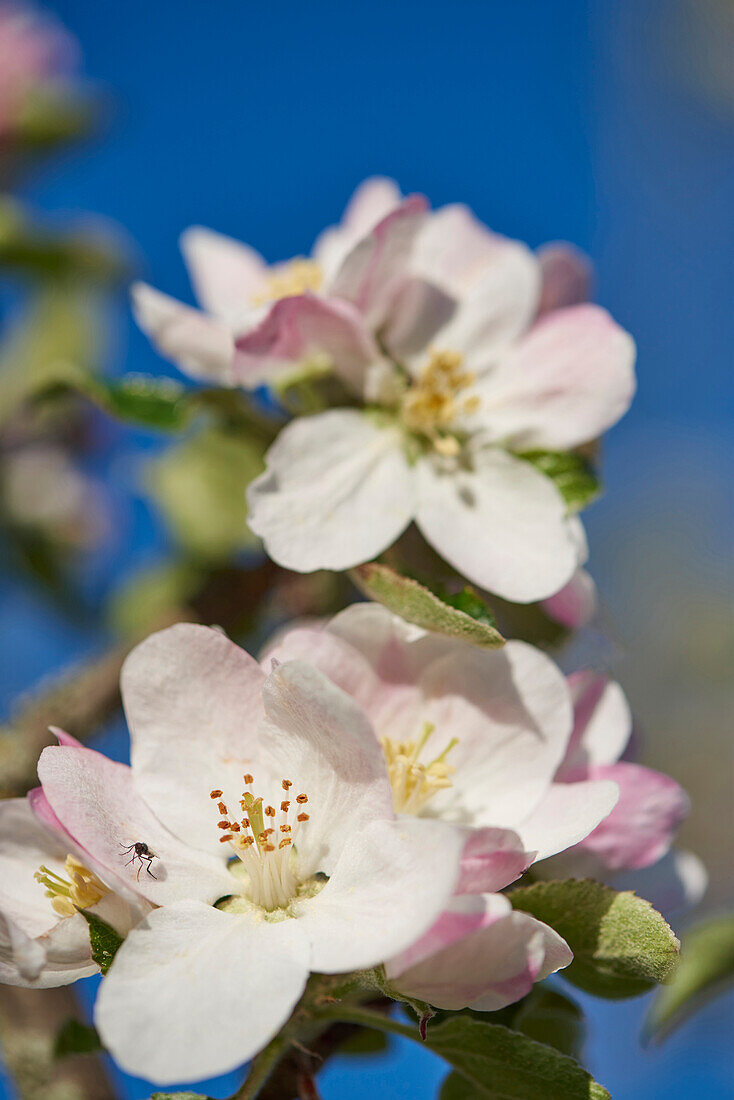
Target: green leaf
<point>465,617</point>
<point>506,1065</point>
<point>76,1038</point>
<point>200,487</point>
<point>706,970</point>
<point>553,1019</point>
<point>364,1041</point>
<point>30,248</point>
<point>146,599</point>
<point>154,403</point>
<point>103,939</point>
<point>622,946</point>
<point>572,475</point>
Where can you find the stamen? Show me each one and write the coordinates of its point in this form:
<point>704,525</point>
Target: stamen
<point>268,854</point>
<point>414,784</point>
<point>82,889</point>
<point>432,405</point>
<point>216,794</point>
<point>290,280</point>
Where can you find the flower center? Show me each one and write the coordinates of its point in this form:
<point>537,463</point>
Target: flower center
<point>264,840</point>
<point>414,784</point>
<point>79,891</point>
<point>433,403</point>
<point>289,280</point>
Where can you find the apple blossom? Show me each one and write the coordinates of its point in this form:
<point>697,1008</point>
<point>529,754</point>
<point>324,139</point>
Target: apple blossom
<point>465,384</point>
<point>236,288</point>
<point>268,805</point>
<point>469,735</point>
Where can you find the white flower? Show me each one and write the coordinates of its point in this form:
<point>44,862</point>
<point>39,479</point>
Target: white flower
<point>465,382</point>
<point>268,806</point>
<point>471,736</point>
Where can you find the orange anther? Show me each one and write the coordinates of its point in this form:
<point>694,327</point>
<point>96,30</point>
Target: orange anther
<point>285,828</point>
<point>285,807</point>
<point>270,811</point>
<point>302,817</point>
<point>222,807</point>
<point>287,784</point>
<point>223,824</point>
<point>301,798</point>
<point>248,778</point>
<point>234,827</point>
<point>269,847</point>
<point>285,842</point>
<point>225,838</point>
<point>216,794</point>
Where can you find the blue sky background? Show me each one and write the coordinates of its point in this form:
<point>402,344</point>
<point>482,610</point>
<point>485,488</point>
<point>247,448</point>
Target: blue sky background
<point>607,124</point>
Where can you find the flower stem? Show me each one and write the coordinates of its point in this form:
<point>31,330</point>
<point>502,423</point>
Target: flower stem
<point>366,1017</point>
<point>262,1066</point>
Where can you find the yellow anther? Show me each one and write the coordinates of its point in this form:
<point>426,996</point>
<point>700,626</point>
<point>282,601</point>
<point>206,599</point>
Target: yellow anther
<point>432,405</point>
<point>289,280</point>
<point>413,783</point>
<point>81,890</point>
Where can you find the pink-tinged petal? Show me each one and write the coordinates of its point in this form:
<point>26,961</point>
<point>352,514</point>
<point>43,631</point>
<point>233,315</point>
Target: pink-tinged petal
<point>602,722</point>
<point>567,276</point>
<point>225,274</point>
<point>193,703</point>
<point>462,917</point>
<point>393,880</point>
<point>371,202</point>
<point>306,328</point>
<point>567,814</point>
<point>485,956</point>
<point>376,268</point>
<point>499,522</point>
<point>563,384</point>
<point>491,860</point>
<point>674,885</point>
<point>65,738</point>
<point>337,491</point>
<point>576,603</point>
<point>640,828</point>
<point>194,992</point>
<point>509,714</point>
<point>342,663</point>
<point>200,346</point>
<point>316,736</point>
<point>96,801</point>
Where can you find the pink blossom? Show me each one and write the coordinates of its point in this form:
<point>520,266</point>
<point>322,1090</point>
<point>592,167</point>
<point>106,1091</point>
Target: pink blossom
<point>33,51</point>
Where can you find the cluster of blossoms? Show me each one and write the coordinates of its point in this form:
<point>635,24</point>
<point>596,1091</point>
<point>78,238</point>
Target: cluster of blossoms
<point>458,353</point>
<point>358,799</point>
<point>361,798</point>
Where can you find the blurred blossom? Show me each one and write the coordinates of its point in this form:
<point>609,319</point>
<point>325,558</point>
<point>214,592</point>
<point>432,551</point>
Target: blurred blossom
<point>34,51</point>
<point>42,489</point>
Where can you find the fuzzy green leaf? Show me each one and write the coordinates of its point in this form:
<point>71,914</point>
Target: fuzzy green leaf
<point>706,970</point>
<point>504,1065</point>
<point>76,1038</point>
<point>622,946</point>
<point>464,616</point>
<point>572,475</point>
<point>103,939</point>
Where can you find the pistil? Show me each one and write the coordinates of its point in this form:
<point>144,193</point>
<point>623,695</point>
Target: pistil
<point>414,784</point>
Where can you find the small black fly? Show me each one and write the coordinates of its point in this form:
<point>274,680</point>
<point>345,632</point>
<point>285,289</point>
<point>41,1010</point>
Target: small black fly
<point>142,853</point>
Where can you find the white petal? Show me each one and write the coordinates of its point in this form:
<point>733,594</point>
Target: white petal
<point>563,384</point>
<point>194,992</point>
<point>567,814</point>
<point>24,845</point>
<point>567,276</point>
<point>96,800</point>
<point>602,721</point>
<point>510,712</point>
<point>318,737</point>
<point>501,523</point>
<point>371,202</point>
<point>391,883</point>
<point>193,702</point>
<point>201,346</point>
<point>61,956</point>
<point>336,492</point>
<point>224,273</point>
<point>341,662</point>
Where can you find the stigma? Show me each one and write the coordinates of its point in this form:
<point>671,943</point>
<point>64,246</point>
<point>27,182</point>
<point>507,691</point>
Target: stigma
<point>433,404</point>
<point>80,890</point>
<point>263,838</point>
<point>413,783</point>
<point>289,280</point>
